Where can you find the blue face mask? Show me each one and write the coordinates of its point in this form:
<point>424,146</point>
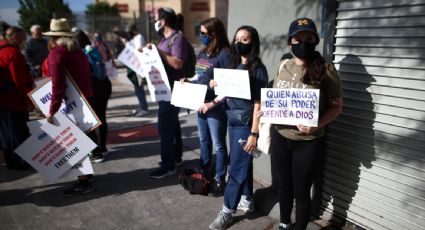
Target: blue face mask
<point>205,39</point>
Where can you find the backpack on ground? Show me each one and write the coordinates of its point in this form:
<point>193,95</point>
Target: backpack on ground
<point>190,62</point>
<point>194,182</point>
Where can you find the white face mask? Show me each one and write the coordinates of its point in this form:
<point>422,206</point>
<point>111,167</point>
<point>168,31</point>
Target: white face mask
<point>158,26</point>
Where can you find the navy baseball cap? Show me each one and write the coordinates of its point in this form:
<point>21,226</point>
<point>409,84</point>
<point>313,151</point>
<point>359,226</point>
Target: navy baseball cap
<point>302,24</point>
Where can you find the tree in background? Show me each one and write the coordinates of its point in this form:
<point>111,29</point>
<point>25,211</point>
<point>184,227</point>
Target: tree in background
<point>102,8</point>
<point>41,11</point>
<point>101,15</point>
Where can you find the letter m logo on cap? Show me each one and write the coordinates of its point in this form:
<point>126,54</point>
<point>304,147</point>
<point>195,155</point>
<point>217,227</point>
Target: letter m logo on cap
<point>303,22</point>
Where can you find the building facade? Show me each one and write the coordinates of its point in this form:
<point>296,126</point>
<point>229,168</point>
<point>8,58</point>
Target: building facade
<point>194,12</point>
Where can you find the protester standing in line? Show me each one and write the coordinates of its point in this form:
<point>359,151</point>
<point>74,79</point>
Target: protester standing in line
<point>102,89</point>
<point>136,40</point>
<point>36,50</point>
<point>212,124</point>
<point>296,149</point>
<point>66,58</point>
<point>15,83</point>
<point>243,122</point>
<point>172,49</point>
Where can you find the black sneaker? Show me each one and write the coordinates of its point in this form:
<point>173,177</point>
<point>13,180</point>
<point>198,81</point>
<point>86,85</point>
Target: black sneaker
<point>177,163</point>
<point>161,173</point>
<point>217,188</point>
<point>97,158</point>
<point>78,189</point>
<point>100,150</point>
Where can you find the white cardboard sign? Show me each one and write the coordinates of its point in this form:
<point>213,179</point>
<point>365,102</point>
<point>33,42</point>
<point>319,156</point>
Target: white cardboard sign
<point>74,104</point>
<point>232,83</point>
<point>83,167</point>
<point>156,76</point>
<point>290,106</point>
<point>54,148</point>
<point>131,58</point>
<point>188,95</point>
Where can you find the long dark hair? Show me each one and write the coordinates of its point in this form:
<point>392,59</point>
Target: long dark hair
<point>315,70</point>
<point>253,59</point>
<point>217,31</point>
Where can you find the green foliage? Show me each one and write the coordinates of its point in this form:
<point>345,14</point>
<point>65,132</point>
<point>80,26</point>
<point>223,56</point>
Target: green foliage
<point>102,8</point>
<point>41,12</point>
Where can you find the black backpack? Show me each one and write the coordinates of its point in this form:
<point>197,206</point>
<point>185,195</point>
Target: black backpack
<point>190,62</point>
<point>194,182</point>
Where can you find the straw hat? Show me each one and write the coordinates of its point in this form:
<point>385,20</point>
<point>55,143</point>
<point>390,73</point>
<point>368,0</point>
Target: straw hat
<point>60,27</point>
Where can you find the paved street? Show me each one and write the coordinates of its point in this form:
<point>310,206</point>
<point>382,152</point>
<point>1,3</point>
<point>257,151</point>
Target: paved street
<point>124,196</point>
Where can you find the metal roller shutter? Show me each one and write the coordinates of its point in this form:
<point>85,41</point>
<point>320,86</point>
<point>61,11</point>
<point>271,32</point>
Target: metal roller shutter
<point>374,168</point>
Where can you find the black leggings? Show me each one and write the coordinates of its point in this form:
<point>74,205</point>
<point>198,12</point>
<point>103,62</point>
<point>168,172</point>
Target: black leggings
<point>102,90</point>
<point>296,163</point>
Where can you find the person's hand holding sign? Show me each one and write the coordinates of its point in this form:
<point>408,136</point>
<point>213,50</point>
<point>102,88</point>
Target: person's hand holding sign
<point>306,129</point>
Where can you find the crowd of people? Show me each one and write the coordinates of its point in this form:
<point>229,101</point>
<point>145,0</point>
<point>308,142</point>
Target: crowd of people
<point>295,150</point>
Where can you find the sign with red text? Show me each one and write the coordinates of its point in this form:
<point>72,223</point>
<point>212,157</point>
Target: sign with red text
<point>132,58</point>
<point>148,64</point>
<point>83,167</point>
<point>156,77</point>
<point>74,104</point>
<point>54,148</point>
<point>290,106</point>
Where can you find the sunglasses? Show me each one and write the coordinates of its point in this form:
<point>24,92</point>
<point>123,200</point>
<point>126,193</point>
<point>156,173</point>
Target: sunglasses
<point>203,33</point>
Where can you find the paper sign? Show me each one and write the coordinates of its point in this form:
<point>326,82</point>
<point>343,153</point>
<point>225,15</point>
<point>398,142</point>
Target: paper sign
<point>232,83</point>
<point>74,105</point>
<point>131,58</point>
<point>188,95</point>
<point>156,76</point>
<point>149,65</point>
<point>83,167</point>
<point>290,106</point>
<point>53,149</point>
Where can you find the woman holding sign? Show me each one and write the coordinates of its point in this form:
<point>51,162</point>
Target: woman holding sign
<point>212,124</point>
<point>243,122</point>
<point>295,150</point>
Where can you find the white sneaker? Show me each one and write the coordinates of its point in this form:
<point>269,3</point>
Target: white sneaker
<point>223,219</point>
<point>141,113</point>
<point>246,206</point>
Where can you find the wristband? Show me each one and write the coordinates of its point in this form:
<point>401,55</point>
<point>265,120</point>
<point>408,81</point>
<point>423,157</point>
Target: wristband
<point>254,134</point>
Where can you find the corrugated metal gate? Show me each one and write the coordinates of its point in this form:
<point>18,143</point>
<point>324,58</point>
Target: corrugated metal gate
<point>374,169</point>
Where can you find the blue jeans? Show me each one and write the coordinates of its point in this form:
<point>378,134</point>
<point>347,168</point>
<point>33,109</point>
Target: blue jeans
<point>141,97</point>
<point>240,170</point>
<point>212,131</point>
<point>170,134</point>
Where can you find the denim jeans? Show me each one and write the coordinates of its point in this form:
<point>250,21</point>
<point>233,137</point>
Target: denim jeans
<point>170,134</point>
<point>212,131</point>
<point>240,170</point>
<point>141,97</point>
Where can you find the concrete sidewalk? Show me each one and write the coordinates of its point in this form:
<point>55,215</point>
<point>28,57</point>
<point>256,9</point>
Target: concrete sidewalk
<point>124,196</point>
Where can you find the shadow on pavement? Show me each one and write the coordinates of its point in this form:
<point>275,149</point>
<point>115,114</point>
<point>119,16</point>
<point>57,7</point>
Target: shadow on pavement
<point>109,184</point>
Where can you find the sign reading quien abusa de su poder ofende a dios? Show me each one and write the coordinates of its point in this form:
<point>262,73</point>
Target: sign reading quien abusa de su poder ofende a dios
<point>290,106</point>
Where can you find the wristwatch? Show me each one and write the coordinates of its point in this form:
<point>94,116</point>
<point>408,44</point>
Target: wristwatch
<point>254,134</point>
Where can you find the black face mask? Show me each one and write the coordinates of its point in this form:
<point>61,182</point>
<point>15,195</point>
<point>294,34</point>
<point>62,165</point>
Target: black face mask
<point>242,48</point>
<point>303,50</point>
